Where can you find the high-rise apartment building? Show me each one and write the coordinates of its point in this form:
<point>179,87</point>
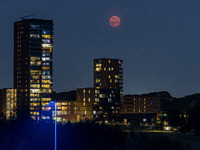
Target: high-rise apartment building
<point>33,44</point>
<point>8,98</point>
<point>108,84</point>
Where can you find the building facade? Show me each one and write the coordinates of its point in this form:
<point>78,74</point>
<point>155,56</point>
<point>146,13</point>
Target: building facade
<point>33,46</point>
<point>108,84</point>
<point>141,108</point>
<point>8,103</point>
<point>65,111</point>
<point>84,103</point>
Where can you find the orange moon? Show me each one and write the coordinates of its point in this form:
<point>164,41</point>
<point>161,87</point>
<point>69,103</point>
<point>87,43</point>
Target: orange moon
<point>114,21</point>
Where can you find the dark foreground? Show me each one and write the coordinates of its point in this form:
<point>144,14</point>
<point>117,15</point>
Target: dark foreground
<point>29,135</point>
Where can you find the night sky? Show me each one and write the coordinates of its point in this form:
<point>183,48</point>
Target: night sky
<point>158,40</point>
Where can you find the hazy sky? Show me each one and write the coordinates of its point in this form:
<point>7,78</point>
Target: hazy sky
<point>159,41</point>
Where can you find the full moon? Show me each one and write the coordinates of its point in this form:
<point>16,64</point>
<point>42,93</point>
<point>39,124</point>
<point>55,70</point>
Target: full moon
<point>114,21</point>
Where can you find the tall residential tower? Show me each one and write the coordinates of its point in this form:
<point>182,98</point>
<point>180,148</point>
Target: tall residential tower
<point>33,43</point>
<point>108,84</point>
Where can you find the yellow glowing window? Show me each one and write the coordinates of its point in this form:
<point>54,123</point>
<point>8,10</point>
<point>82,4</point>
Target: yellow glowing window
<point>35,81</point>
<point>46,36</point>
<point>59,104</point>
<point>102,95</point>
<point>34,58</point>
<point>46,85</point>
<point>46,50</point>
<point>98,65</point>
<point>35,77</point>
<point>46,68</point>
<point>32,63</point>
<point>98,80</point>
<point>111,68</point>
<point>110,80</point>
<point>83,104</point>
<point>64,108</point>
<point>46,91</point>
<point>108,61</point>
<point>98,69</point>
<point>96,91</point>
<point>35,72</point>
<point>46,99</point>
<point>34,104</point>
<point>35,85</point>
<point>32,108</point>
<point>34,95</point>
<point>46,81</point>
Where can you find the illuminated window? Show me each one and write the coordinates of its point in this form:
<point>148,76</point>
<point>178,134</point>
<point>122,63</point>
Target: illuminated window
<point>35,63</point>
<point>35,36</point>
<point>46,99</point>
<point>34,85</point>
<point>102,95</point>
<point>46,54</point>
<point>98,80</point>
<point>64,108</point>
<point>34,99</point>
<point>45,72</point>
<point>46,91</point>
<point>34,58</point>
<point>46,81</point>
<point>96,99</point>
<point>34,95</point>
<point>98,69</point>
<point>46,68</point>
<point>35,72</point>
<point>46,58</point>
<point>46,86</point>
<point>46,50</point>
<point>46,41</point>
<point>46,77</point>
<point>47,45</point>
<point>34,104</point>
<point>46,36</point>
<point>35,91</point>
<point>45,63</point>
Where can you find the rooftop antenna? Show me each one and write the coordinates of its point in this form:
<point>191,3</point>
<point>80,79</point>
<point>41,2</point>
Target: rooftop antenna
<point>24,17</point>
